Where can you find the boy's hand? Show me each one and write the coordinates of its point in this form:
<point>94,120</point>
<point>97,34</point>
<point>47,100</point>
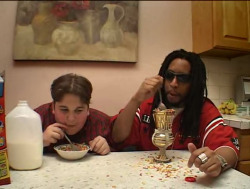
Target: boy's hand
<point>99,145</point>
<point>53,133</point>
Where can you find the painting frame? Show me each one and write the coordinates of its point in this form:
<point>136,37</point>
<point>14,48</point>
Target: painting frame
<point>89,31</point>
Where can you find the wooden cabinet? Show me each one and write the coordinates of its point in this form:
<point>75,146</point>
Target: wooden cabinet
<point>221,28</point>
<point>244,157</point>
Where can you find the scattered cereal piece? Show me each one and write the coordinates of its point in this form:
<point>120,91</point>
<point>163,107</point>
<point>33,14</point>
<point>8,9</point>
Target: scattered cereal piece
<point>190,179</point>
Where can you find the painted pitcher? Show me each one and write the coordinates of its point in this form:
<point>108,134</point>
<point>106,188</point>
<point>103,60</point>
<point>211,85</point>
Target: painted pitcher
<point>111,34</point>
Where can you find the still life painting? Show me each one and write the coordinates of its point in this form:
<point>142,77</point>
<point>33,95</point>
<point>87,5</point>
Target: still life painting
<point>76,30</point>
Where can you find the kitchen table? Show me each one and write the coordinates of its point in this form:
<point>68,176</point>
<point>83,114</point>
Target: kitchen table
<point>122,170</point>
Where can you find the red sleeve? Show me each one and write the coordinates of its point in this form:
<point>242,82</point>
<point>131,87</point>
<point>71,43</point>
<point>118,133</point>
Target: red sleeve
<point>215,132</point>
<point>133,138</point>
<point>222,136</point>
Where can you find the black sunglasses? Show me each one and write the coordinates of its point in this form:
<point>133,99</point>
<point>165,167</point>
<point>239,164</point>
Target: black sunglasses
<point>184,78</point>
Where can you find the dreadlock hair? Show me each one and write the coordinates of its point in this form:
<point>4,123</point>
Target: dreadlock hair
<point>189,124</point>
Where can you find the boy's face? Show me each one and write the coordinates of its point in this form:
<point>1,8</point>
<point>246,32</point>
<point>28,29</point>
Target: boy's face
<point>71,112</point>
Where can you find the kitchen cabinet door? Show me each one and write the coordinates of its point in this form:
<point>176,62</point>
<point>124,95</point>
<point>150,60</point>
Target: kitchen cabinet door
<point>221,28</point>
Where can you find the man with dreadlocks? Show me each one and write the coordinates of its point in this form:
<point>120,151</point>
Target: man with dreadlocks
<point>198,126</point>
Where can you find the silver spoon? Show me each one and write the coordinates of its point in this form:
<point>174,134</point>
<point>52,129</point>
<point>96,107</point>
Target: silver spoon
<point>161,106</point>
<point>73,146</point>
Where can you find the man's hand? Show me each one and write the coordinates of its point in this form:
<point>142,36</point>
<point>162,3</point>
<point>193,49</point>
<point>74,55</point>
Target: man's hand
<point>148,88</point>
<point>211,166</point>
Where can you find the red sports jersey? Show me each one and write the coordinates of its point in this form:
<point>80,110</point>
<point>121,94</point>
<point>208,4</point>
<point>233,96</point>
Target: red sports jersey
<point>213,132</point>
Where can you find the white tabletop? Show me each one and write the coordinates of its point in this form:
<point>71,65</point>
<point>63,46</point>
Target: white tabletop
<point>121,170</point>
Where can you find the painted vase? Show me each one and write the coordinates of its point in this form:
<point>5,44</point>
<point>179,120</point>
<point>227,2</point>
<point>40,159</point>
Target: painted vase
<point>67,37</point>
<point>26,10</point>
<point>90,25</point>
<point>111,34</point>
<point>43,24</point>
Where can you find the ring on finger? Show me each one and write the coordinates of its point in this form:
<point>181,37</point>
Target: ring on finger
<point>203,157</point>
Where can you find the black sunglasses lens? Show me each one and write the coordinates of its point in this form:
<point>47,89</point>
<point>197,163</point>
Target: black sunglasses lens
<point>183,78</point>
<point>180,77</point>
<point>169,75</point>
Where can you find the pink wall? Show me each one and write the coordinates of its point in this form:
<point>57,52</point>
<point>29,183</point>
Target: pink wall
<point>163,27</point>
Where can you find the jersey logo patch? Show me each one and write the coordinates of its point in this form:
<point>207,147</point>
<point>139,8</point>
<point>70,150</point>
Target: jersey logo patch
<point>146,118</point>
<point>235,141</point>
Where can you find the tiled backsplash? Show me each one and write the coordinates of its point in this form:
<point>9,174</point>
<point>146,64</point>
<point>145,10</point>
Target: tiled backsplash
<point>222,75</point>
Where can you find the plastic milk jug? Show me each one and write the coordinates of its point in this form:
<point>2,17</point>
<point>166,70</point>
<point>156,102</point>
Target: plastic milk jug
<point>24,138</point>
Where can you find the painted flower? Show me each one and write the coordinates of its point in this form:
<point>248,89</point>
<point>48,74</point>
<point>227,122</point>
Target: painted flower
<point>67,10</point>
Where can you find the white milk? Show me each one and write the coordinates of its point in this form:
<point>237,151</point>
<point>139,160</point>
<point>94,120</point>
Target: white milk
<point>20,157</point>
<point>24,138</point>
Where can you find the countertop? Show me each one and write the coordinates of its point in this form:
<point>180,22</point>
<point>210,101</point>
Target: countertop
<point>121,170</point>
<point>236,121</point>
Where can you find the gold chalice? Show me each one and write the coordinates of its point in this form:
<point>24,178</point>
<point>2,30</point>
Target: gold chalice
<point>163,136</point>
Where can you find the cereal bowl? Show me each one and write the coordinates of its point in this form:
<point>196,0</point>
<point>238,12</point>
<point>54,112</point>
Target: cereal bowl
<point>66,152</point>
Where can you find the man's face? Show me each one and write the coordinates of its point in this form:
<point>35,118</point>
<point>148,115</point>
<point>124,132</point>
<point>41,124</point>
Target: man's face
<point>71,112</point>
<point>177,81</point>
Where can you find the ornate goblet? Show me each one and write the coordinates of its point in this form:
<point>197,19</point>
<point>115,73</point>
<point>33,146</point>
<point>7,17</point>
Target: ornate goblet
<point>163,136</point>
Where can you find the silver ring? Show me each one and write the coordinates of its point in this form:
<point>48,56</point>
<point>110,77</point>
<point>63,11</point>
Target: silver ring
<point>203,158</point>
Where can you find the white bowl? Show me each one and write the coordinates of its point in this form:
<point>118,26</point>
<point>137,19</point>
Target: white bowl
<point>65,152</point>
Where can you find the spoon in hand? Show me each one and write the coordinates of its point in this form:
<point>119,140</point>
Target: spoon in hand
<point>73,146</point>
<point>161,106</point>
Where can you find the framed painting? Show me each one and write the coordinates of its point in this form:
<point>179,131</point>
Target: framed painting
<point>76,30</point>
